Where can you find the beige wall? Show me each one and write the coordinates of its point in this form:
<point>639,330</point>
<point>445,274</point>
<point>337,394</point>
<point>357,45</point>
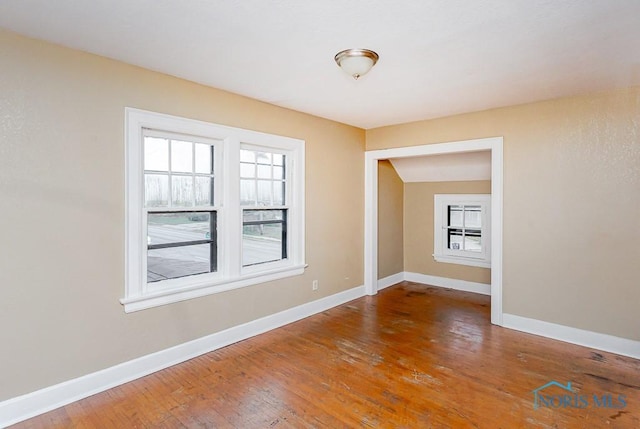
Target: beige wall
<point>62,205</point>
<point>571,204</point>
<point>390,225</point>
<point>418,232</point>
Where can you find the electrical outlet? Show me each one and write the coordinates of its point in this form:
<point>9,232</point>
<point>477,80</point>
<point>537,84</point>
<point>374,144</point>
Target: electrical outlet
<point>314,285</point>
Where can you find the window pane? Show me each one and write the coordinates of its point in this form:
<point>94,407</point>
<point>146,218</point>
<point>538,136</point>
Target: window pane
<point>455,239</point>
<point>247,192</point>
<point>156,154</point>
<point>182,191</point>
<point>278,159</point>
<point>156,190</point>
<point>204,191</point>
<point>174,262</point>
<point>247,156</point>
<point>247,170</point>
<point>181,156</point>
<point>455,215</point>
<point>472,241</point>
<point>278,193</point>
<point>163,228</point>
<point>264,192</point>
<point>261,243</point>
<point>472,217</point>
<point>264,171</point>
<point>278,172</point>
<point>204,155</point>
<point>263,158</point>
<point>263,236</point>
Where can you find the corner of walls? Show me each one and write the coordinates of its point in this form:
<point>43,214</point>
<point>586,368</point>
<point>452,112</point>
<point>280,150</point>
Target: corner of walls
<point>567,334</point>
<point>391,220</point>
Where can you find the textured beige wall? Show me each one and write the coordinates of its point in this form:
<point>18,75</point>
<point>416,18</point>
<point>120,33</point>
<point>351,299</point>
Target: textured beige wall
<point>418,235</point>
<point>571,204</point>
<point>62,205</point>
<point>390,225</point>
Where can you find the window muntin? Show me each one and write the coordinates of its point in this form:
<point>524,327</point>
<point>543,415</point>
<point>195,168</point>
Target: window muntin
<point>195,169</point>
<point>262,178</point>
<point>178,172</point>
<point>462,229</point>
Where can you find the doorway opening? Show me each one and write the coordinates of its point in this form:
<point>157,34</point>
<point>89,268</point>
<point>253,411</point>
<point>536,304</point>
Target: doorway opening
<point>495,146</point>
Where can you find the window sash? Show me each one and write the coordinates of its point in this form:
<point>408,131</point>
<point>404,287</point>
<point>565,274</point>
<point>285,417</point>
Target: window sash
<point>211,241</point>
<point>172,174</point>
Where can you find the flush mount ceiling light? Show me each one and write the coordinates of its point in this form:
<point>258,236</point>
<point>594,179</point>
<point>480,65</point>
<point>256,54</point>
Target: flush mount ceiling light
<point>356,62</point>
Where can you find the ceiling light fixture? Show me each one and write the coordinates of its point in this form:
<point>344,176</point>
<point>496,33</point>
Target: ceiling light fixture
<point>356,62</point>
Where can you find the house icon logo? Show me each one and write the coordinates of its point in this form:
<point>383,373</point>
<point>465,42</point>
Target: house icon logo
<point>563,396</point>
<point>537,392</point>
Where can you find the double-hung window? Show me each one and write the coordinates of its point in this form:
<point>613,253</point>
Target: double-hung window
<point>462,229</point>
<point>209,208</point>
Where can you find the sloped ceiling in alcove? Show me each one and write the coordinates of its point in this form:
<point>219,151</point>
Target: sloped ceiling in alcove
<point>445,168</point>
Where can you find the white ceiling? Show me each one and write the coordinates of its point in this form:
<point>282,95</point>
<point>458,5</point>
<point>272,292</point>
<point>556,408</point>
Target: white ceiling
<point>437,57</point>
<point>444,168</point>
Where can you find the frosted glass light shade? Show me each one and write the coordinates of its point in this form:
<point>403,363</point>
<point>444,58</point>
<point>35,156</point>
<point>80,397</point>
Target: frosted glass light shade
<point>356,62</point>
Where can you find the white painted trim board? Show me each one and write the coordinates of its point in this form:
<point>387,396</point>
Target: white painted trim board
<point>581,337</point>
<point>391,280</point>
<point>462,285</point>
<point>567,334</point>
<point>20,408</point>
<point>26,406</point>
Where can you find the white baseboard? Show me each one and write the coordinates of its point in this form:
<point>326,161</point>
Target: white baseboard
<point>390,280</point>
<point>481,288</point>
<point>20,408</point>
<point>595,340</point>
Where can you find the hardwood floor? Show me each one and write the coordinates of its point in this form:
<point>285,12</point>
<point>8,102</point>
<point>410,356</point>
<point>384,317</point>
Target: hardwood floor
<point>411,357</point>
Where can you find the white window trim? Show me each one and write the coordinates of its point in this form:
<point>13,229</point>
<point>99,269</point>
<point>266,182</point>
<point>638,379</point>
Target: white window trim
<point>138,295</point>
<point>440,251</point>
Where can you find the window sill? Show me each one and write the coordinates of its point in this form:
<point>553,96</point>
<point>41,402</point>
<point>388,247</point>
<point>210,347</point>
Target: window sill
<point>462,261</point>
<point>168,296</point>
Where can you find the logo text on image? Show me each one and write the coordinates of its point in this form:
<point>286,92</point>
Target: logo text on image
<point>567,398</point>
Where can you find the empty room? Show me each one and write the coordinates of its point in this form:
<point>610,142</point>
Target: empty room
<point>305,214</point>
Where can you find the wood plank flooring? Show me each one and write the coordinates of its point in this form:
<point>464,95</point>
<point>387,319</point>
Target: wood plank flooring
<point>411,357</point>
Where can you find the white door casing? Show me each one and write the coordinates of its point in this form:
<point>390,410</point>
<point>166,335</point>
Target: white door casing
<point>495,145</point>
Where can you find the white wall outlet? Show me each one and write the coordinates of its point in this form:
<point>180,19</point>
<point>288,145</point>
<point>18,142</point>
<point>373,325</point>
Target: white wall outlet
<point>314,285</point>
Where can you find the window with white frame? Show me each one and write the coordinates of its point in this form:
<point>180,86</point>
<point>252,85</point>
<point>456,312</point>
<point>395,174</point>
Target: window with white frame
<point>462,229</point>
<point>209,208</point>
